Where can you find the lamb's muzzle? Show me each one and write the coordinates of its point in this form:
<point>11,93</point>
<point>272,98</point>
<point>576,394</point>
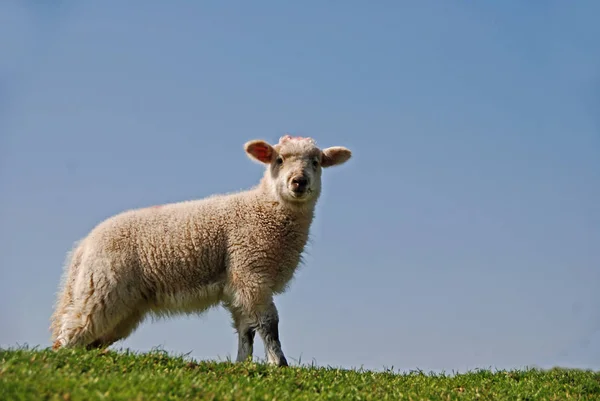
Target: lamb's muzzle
<point>299,184</point>
<point>238,250</point>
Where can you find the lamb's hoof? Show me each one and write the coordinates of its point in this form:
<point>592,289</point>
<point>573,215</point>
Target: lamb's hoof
<point>278,362</point>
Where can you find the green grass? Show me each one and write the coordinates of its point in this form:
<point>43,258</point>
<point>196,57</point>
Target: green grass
<point>27,374</point>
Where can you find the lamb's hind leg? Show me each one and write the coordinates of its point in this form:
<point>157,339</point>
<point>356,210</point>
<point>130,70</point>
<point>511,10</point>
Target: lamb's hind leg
<point>99,305</point>
<point>121,331</point>
<point>81,326</point>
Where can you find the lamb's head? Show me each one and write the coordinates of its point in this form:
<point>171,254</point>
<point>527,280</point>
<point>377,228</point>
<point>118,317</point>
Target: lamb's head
<point>294,166</point>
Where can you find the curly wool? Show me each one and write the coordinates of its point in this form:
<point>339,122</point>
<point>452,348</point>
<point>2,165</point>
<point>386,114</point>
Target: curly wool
<point>237,249</point>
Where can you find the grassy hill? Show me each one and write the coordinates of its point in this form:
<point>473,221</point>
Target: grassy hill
<point>27,374</point>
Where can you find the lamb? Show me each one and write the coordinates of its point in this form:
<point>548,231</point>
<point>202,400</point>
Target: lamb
<point>237,249</point>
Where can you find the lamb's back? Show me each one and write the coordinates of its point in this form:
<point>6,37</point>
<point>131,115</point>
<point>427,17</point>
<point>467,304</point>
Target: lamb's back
<point>182,244</point>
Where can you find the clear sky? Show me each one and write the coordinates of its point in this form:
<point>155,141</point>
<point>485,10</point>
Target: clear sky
<point>464,233</point>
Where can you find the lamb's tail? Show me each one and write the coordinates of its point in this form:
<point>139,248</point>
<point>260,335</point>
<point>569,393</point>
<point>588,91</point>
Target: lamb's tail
<point>65,294</point>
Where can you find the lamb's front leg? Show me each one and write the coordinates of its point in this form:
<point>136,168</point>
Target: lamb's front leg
<point>268,329</point>
<point>250,301</point>
<point>246,331</point>
<point>245,342</point>
<point>265,320</point>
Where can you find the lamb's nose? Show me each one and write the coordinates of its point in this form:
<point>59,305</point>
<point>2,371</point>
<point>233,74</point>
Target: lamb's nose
<point>299,183</point>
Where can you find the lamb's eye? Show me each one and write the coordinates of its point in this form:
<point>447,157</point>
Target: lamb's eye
<point>279,160</point>
<point>315,163</point>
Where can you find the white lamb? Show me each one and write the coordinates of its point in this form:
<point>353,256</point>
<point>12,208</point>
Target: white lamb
<point>236,249</point>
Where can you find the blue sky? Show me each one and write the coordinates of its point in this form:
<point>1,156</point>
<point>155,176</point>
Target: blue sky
<point>463,233</point>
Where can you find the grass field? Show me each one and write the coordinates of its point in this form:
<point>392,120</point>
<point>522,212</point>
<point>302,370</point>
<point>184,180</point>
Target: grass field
<point>27,374</point>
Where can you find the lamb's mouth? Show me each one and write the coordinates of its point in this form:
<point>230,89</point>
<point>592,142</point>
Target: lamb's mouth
<point>301,194</point>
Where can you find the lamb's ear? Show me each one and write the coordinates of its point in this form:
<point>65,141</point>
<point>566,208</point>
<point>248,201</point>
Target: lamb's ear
<point>260,150</point>
<point>334,156</point>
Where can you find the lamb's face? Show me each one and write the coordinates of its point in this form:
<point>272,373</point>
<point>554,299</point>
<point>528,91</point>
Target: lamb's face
<point>295,165</point>
<point>296,170</point>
